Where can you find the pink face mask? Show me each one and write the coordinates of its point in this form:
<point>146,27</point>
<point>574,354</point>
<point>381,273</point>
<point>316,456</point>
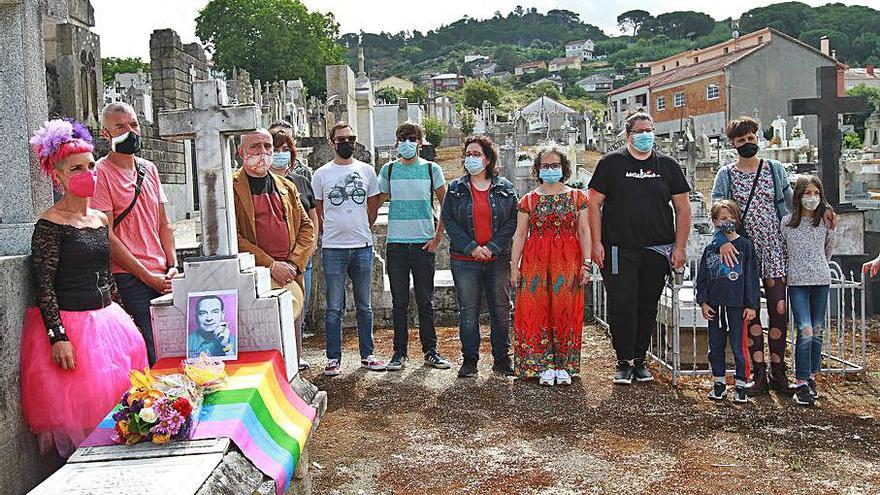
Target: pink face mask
<point>83,184</point>
<point>258,164</point>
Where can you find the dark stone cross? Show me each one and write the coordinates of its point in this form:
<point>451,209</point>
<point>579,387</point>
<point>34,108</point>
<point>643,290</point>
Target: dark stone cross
<point>827,107</point>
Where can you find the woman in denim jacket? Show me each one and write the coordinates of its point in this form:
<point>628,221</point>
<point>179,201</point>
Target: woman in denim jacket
<point>479,214</point>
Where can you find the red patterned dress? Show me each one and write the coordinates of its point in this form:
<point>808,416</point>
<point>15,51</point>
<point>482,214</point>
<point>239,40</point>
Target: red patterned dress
<point>549,315</point>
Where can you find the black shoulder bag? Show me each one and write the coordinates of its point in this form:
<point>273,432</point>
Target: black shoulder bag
<point>741,230</point>
<point>141,172</point>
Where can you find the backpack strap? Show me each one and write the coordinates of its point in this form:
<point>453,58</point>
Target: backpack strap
<point>141,171</point>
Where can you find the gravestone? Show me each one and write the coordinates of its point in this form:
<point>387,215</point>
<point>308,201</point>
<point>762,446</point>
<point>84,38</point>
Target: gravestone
<point>828,106</point>
<point>341,88</point>
<point>872,130</point>
<point>23,108</point>
<point>265,316</point>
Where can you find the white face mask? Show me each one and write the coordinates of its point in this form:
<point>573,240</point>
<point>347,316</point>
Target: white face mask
<point>810,202</point>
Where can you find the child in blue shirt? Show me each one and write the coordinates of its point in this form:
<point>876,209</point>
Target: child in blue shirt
<point>728,298</point>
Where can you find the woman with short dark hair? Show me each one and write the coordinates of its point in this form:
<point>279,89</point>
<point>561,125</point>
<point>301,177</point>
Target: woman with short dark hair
<point>479,214</point>
<point>549,266</point>
<point>763,192</point>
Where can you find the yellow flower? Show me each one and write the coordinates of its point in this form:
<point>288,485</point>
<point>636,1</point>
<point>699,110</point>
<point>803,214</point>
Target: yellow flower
<point>143,387</point>
<point>123,427</point>
<point>160,439</point>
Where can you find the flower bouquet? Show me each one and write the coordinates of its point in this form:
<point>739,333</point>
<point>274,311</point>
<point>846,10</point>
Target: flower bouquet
<point>157,409</point>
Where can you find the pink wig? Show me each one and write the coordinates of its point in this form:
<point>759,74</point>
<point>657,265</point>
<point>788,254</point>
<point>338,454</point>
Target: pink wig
<point>58,139</point>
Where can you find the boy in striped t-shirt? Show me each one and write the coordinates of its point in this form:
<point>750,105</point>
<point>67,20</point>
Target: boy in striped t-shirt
<point>413,237</point>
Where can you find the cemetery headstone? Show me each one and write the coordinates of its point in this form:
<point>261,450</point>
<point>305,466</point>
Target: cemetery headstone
<point>828,106</point>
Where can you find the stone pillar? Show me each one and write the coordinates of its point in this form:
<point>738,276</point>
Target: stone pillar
<point>365,103</point>
<point>402,110</point>
<point>27,192</point>
<point>341,86</point>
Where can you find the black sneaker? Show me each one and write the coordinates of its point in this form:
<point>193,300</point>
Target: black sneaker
<point>719,390</point>
<point>813,390</point>
<point>434,359</point>
<point>396,363</point>
<point>803,396</point>
<point>640,371</point>
<point>468,368</point>
<point>503,366</point>
<point>624,375</point>
<point>742,395</point>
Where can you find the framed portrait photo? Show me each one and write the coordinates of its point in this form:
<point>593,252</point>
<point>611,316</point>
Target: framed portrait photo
<point>212,324</point>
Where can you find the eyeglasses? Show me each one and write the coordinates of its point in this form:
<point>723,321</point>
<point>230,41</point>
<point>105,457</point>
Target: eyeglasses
<point>350,139</point>
<point>411,139</point>
<point>550,166</point>
<point>640,131</point>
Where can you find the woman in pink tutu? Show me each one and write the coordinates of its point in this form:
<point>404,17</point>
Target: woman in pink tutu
<point>78,346</point>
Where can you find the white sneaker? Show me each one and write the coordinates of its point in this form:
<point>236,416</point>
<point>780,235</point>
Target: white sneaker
<point>548,377</point>
<point>563,378</point>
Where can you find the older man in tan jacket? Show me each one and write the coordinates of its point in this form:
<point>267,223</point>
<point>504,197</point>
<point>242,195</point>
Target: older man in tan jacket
<point>272,224</point>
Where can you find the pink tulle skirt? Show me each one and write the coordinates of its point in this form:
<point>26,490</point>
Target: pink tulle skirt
<point>63,406</point>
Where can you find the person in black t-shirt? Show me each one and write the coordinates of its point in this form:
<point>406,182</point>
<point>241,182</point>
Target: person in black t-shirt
<point>636,238</point>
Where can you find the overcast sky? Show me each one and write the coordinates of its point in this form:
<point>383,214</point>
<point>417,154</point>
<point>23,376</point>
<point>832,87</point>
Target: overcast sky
<point>125,27</point>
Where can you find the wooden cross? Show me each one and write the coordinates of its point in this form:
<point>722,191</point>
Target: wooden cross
<point>211,122</point>
<point>827,107</point>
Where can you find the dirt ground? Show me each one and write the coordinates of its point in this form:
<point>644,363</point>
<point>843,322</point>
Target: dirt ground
<point>422,430</point>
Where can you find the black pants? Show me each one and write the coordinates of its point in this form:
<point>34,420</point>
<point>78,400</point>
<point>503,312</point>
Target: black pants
<point>136,297</point>
<point>401,260</point>
<point>634,286</point>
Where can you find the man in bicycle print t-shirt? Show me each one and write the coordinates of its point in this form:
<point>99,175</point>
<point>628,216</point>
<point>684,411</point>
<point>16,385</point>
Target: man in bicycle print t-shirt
<point>346,193</point>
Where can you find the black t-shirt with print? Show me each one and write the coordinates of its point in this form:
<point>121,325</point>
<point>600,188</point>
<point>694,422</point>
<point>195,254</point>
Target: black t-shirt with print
<point>637,212</point>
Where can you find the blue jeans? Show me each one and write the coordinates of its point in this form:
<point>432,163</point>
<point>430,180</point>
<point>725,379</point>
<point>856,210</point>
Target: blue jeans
<point>136,297</point>
<point>307,275</point>
<point>727,325</point>
<point>356,264</point>
<point>809,305</point>
<point>472,280</point>
<point>402,260</point>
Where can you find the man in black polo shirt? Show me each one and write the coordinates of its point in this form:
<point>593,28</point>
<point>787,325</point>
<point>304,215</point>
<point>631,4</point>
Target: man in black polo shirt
<point>636,238</point>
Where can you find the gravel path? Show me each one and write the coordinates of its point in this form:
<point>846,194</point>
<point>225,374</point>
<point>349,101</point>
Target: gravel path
<point>422,430</point>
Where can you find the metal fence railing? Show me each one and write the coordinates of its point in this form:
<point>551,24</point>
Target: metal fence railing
<point>680,341</point>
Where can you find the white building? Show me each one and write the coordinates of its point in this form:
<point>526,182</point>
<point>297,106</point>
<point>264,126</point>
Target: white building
<point>582,49</point>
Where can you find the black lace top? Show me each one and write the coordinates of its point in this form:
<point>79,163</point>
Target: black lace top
<point>71,272</point>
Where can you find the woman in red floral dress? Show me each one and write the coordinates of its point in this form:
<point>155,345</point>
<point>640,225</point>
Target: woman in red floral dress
<point>549,267</point>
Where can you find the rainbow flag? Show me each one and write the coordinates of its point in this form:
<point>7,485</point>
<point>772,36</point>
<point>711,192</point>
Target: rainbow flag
<point>257,409</point>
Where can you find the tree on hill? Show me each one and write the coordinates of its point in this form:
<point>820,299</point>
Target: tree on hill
<point>475,91</point>
<point>788,17</point>
<point>271,39</point>
<point>677,25</point>
<point>632,20</point>
<point>110,66</point>
<point>387,94</point>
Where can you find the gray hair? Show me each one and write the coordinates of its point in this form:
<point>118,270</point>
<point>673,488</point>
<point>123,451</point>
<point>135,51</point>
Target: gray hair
<point>636,117</point>
<point>116,107</point>
<point>547,148</point>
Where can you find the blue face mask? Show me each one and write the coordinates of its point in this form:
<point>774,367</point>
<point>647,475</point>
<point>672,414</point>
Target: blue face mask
<point>550,175</point>
<point>474,164</point>
<point>644,141</point>
<point>280,159</point>
<point>407,149</point>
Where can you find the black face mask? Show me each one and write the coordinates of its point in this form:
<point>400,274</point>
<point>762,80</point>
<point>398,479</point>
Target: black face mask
<point>128,145</point>
<point>345,150</point>
<point>748,150</point>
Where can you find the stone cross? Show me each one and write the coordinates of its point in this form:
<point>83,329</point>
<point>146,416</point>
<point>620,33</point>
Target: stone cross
<point>827,107</point>
<point>211,122</point>
<point>24,108</point>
